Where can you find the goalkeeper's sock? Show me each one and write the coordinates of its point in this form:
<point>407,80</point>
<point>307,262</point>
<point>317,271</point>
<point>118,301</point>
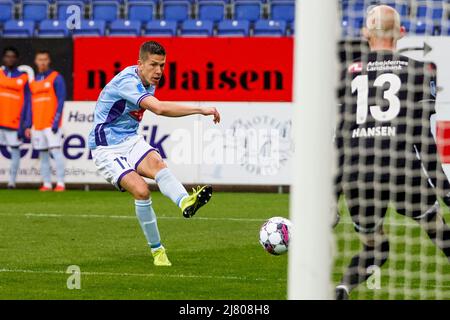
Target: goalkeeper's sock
<point>147,220</point>
<point>15,162</point>
<point>438,231</point>
<point>170,186</point>
<point>357,271</point>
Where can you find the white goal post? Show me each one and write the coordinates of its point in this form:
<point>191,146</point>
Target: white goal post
<point>311,196</point>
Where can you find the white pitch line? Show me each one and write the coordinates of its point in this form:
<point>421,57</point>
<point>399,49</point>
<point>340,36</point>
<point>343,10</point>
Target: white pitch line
<point>101,216</point>
<point>144,275</point>
<point>178,276</point>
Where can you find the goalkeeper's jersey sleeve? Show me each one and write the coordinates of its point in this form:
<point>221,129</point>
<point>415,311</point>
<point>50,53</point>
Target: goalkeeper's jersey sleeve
<point>383,125</point>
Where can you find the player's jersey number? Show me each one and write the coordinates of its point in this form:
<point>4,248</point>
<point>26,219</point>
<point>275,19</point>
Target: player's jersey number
<point>361,85</point>
<point>122,162</point>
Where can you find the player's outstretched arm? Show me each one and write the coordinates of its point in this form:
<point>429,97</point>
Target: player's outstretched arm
<point>172,109</point>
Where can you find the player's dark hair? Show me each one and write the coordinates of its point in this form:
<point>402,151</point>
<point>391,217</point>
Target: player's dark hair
<point>43,51</point>
<point>151,47</point>
<point>13,49</point>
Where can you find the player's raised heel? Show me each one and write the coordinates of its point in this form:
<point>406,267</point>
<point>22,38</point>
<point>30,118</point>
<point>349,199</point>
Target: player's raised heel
<point>196,200</point>
<point>160,258</point>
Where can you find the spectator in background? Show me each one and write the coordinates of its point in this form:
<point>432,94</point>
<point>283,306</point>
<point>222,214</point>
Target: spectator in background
<point>14,101</point>
<point>48,93</point>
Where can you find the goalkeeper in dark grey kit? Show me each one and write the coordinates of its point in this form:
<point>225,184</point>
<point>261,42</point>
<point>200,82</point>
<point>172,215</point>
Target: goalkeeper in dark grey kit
<point>386,152</point>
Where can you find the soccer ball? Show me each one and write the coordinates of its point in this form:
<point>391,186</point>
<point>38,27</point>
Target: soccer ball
<point>275,234</point>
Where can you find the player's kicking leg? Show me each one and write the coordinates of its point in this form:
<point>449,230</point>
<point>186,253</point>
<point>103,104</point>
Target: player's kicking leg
<point>153,167</point>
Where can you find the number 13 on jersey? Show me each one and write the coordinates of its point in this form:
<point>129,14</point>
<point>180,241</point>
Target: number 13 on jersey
<point>361,85</point>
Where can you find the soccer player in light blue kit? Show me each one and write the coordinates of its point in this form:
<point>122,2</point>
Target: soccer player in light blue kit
<point>123,157</point>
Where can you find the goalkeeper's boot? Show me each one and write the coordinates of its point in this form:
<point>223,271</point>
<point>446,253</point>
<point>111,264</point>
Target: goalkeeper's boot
<point>341,293</point>
<point>199,197</point>
<point>160,258</point>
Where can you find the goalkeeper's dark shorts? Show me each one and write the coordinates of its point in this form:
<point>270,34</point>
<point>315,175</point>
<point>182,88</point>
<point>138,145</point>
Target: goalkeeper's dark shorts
<point>368,201</point>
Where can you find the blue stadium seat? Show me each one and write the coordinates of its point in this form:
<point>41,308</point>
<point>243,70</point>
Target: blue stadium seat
<point>63,5</point>
<point>6,10</point>
<point>247,10</point>
<point>401,6</point>
<point>190,1</point>
<point>105,10</point>
<point>125,28</point>
<point>18,29</point>
<point>269,28</point>
<point>233,28</point>
<point>421,28</point>
<point>282,10</point>
<point>421,11</point>
<point>407,24</point>
<point>435,11</point>
<point>90,28</point>
<point>428,18</point>
<point>176,10</point>
<point>403,9</point>
<point>118,2</point>
<point>211,10</point>
<point>53,29</point>
<point>161,28</point>
<point>141,10</point>
<point>197,28</point>
<point>355,9</point>
<point>35,10</point>
<point>343,5</point>
<point>351,27</point>
<point>358,6</point>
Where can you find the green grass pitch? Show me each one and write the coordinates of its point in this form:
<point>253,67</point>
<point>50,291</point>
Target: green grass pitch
<point>215,255</point>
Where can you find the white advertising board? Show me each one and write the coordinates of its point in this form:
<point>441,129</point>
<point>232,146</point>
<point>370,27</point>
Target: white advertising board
<point>251,146</point>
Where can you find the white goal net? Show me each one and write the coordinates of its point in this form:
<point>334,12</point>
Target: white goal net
<point>392,240</point>
<point>391,121</point>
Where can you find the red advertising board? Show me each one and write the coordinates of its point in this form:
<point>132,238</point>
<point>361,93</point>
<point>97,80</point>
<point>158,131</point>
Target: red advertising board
<point>197,69</point>
<point>443,140</point>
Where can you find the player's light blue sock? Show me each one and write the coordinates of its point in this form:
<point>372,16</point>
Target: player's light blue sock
<point>45,168</point>
<point>59,161</point>
<point>15,162</point>
<point>170,186</point>
<point>147,219</point>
